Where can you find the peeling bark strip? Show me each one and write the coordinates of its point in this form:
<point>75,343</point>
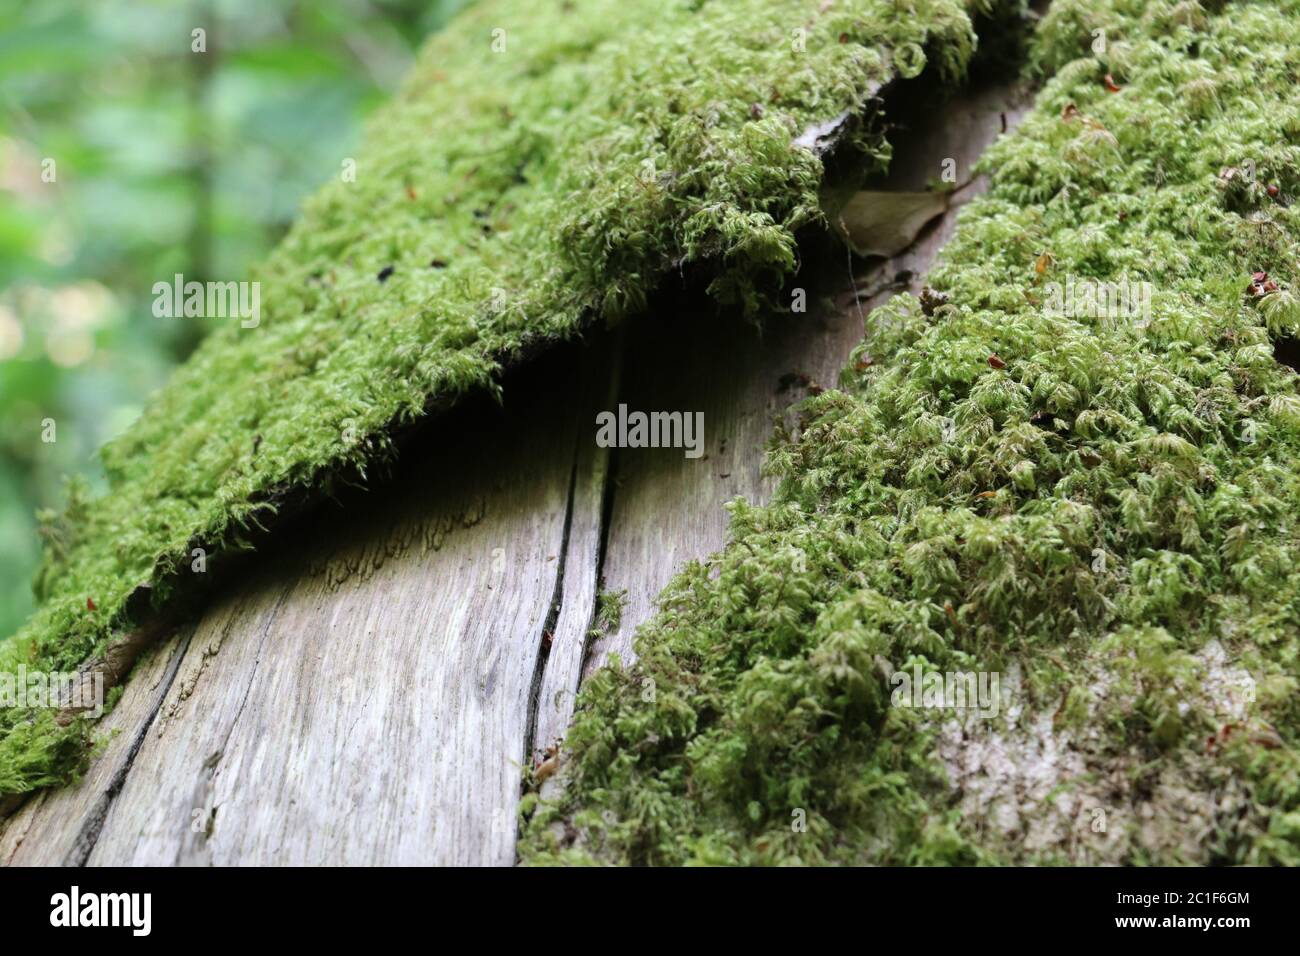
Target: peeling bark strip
<point>109,669</point>
<point>879,223</point>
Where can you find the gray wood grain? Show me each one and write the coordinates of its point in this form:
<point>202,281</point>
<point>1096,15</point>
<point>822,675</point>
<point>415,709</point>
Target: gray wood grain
<point>364,696</point>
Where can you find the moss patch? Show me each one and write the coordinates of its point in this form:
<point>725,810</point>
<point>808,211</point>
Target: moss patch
<point>1105,506</point>
<point>546,163</point>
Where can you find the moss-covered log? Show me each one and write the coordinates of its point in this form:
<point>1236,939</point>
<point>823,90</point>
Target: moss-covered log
<point>1069,463</point>
<point>543,167</point>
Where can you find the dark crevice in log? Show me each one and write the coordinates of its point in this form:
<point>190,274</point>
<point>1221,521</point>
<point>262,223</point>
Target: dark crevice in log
<point>600,370</point>
<point>1287,351</point>
<point>609,493</point>
<point>552,616</point>
<point>93,825</point>
<point>10,803</point>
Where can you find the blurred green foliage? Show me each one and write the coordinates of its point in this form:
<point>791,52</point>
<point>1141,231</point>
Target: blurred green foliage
<point>125,157</point>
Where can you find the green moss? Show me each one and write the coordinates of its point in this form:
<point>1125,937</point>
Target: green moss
<point>609,612</point>
<point>1096,509</point>
<point>523,183</point>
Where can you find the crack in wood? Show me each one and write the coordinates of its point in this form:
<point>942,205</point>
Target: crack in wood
<point>552,617</point>
<point>88,835</point>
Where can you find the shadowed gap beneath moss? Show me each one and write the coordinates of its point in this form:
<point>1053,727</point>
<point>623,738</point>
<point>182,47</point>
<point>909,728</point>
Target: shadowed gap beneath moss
<point>1287,351</point>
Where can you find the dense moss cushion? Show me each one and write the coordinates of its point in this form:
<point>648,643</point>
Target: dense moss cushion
<point>1101,508</point>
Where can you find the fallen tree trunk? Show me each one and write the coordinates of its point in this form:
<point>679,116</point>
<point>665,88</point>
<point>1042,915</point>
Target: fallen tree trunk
<point>383,687</point>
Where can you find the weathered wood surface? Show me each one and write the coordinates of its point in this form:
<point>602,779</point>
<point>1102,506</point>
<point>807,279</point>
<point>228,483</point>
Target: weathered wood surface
<point>371,690</point>
<point>668,510</point>
<point>368,698</point>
